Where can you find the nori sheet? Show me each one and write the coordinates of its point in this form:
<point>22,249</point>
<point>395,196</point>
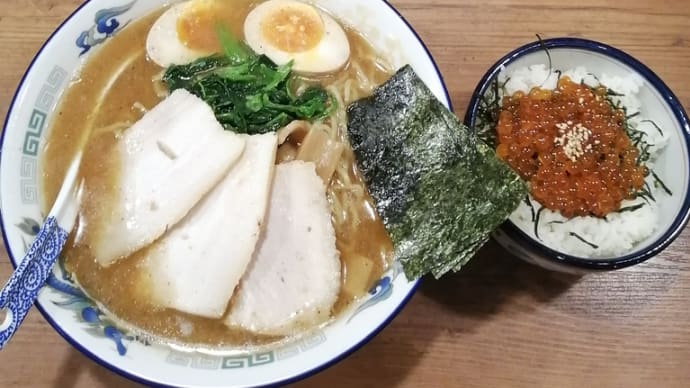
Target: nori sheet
<point>439,190</point>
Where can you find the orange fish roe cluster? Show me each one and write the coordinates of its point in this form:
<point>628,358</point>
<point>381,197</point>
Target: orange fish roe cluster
<point>570,144</point>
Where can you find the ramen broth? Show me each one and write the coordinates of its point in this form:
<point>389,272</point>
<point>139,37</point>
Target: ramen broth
<point>115,87</point>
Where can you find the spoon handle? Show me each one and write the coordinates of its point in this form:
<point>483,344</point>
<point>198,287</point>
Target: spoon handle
<point>20,292</point>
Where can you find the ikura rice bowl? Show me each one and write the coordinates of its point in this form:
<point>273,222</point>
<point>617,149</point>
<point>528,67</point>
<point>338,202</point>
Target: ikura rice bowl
<point>635,217</point>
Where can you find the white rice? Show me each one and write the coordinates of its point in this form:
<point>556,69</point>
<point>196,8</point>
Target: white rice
<point>618,233</point>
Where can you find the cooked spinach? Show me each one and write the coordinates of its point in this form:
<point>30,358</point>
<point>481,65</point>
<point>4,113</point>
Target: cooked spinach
<point>439,190</point>
<point>248,92</point>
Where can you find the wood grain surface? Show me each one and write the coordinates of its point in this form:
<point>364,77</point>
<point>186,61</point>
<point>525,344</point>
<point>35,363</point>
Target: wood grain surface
<point>499,322</point>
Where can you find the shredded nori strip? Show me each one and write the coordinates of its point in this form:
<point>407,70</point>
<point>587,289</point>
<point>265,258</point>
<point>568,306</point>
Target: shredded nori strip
<point>660,182</point>
<point>658,129</point>
<point>536,222</point>
<point>577,236</point>
<point>531,208</point>
<point>631,208</point>
<point>439,190</point>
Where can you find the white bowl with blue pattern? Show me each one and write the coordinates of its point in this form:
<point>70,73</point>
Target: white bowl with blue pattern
<point>659,104</point>
<point>75,317</point>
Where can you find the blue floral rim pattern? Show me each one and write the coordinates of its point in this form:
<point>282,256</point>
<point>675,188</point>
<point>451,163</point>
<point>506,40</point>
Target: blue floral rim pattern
<point>105,25</point>
<point>669,98</point>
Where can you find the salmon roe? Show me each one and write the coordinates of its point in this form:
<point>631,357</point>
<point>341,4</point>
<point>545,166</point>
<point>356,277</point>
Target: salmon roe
<point>570,144</point>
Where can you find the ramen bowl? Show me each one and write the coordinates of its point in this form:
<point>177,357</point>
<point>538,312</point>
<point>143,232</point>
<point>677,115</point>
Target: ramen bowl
<point>657,104</point>
<point>80,320</point>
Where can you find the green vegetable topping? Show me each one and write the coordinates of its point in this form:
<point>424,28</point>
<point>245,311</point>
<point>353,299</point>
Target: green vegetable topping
<point>439,190</point>
<point>248,92</point>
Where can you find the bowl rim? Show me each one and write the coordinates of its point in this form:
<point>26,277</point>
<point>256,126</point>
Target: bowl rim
<point>148,382</point>
<point>669,98</point>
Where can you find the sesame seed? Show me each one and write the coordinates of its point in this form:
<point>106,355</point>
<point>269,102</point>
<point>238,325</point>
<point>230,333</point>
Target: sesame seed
<point>573,140</point>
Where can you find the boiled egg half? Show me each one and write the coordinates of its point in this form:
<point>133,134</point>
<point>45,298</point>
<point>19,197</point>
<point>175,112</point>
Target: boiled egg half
<point>289,30</point>
<point>188,31</point>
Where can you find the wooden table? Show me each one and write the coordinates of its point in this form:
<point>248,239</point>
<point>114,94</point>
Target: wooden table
<point>499,322</point>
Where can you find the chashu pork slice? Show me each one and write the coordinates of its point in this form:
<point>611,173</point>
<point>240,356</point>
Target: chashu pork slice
<point>196,266</point>
<point>294,279</point>
<point>167,162</point>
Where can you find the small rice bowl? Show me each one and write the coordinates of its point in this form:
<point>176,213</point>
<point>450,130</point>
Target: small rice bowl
<point>619,232</point>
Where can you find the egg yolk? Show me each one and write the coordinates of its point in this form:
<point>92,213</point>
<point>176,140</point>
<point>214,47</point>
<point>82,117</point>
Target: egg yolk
<point>293,29</point>
<point>197,26</point>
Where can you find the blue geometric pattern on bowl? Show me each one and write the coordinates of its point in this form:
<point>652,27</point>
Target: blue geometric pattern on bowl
<point>105,26</point>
